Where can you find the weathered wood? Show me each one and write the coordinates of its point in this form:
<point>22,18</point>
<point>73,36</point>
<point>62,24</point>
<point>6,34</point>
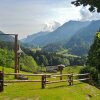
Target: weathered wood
<point>82,79</point>
<point>27,74</point>
<point>72,79</point>
<point>43,81</point>
<point>16,56</point>
<point>65,81</point>
<point>1,81</point>
<point>56,81</point>
<point>58,75</point>
<point>61,74</point>
<point>18,81</point>
<point>69,79</point>
<point>81,74</point>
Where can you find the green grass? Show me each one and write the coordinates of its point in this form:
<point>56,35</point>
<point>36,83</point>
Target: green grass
<point>58,91</point>
<point>65,53</point>
<point>36,49</point>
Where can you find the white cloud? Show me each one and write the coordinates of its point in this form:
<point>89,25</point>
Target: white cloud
<point>51,26</point>
<point>87,15</point>
<point>65,14</point>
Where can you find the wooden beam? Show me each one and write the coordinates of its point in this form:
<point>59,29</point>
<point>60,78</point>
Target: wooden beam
<point>19,81</point>
<point>81,74</point>
<point>82,79</point>
<point>56,81</point>
<point>8,34</point>
<point>16,54</point>
<point>59,75</point>
<point>26,74</point>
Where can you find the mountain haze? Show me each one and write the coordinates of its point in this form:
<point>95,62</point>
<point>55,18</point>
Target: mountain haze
<point>80,43</point>
<point>31,38</point>
<point>6,38</point>
<point>62,33</point>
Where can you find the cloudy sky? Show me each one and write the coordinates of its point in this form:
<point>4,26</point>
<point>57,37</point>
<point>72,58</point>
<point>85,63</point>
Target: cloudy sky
<point>25,17</point>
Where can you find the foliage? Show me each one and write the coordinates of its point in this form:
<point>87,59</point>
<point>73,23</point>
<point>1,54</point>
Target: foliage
<point>93,72</point>
<point>94,60</point>
<point>6,58</point>
<point>6,45</point>
<point>49,59</point>
<point>94,53</point>
<point>55,47</point>
<point>78,60</point>
<point>92,3</point>
<point>80,50</point>
<point>45,58</point>
<point>27,63</point>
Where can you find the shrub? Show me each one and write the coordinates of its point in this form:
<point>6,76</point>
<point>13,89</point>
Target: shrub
<point>93,72</point>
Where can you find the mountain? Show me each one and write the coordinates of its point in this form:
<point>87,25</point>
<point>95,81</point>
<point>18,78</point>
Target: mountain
<point>54,47</point>
<point>6,41</point>
<point>6,38</point>
<point>35,36</point>
<point>62,33</point>
<point>80,43</point>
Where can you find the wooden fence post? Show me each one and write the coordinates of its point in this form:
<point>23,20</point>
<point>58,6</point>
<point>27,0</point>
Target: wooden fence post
<point>61,74</point>
<point>16,56</point>
<point>70,79</point>
<point>1,81</point>
<point>43,81</point>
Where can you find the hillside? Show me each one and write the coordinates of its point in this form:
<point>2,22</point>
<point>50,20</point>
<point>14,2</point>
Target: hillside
<point>74,36</point>
<point>26,63</point>
<point>30,38</point>
<point>62,33</point>
<point>57,91</point>
<point>80,43</point>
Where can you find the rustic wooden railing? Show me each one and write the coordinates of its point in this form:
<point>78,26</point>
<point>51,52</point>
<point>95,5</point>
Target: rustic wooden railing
<point>44,81</point>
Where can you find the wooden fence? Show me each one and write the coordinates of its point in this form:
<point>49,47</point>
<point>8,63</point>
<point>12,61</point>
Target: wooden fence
<point>69,78</point>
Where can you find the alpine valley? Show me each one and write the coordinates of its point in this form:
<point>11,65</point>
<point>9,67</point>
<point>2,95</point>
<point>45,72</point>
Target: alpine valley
<point>73,36</point>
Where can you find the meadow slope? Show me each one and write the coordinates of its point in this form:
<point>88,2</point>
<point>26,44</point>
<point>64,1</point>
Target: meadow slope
<point>56,91</point>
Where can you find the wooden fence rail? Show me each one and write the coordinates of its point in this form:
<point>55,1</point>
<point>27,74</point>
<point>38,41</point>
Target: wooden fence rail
<point>26,74</point>
<point>43,80</point>
<point>17,81</point>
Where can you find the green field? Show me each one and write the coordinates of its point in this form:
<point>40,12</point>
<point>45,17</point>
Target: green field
<point>65,53</point>
<point>56,91</point>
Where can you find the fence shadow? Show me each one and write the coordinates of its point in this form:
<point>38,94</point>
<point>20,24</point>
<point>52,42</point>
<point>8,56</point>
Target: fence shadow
<point>64,86</point>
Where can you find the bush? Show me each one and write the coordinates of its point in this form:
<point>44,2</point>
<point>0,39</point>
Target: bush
<point>93,72</point>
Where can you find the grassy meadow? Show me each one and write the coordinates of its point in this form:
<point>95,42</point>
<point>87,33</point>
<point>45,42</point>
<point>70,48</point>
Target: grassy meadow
<point>55,91</point>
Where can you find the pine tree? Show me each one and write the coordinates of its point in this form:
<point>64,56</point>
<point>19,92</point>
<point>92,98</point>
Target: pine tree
<point>94,53</point>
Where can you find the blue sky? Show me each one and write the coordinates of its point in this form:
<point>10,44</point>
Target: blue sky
<point>25,17</point>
